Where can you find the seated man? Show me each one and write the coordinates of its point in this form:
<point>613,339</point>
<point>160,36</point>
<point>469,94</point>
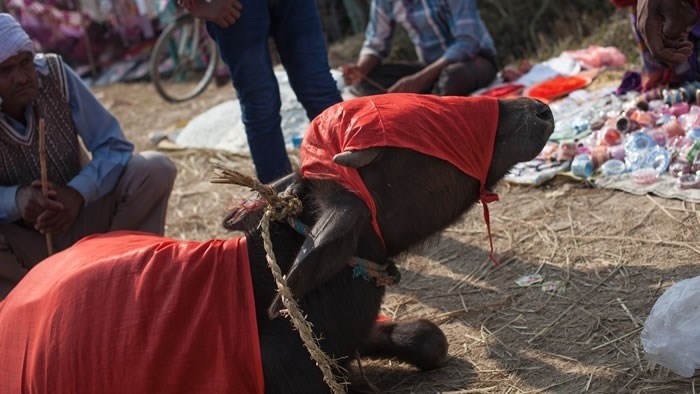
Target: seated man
<point>455,50</point>
<point>112,191</point>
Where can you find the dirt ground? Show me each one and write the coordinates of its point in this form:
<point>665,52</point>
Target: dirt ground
<point>612,253</point>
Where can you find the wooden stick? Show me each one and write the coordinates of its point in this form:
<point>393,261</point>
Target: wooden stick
<point>634,319</point>
<point>374,83</point>
<point>636,330</point>
<point>44,176</point>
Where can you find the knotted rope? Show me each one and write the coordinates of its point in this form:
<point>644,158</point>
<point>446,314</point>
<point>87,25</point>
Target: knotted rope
<point>279,207</point>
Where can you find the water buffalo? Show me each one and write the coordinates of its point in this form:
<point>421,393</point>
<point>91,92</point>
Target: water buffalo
<point>89,338</point>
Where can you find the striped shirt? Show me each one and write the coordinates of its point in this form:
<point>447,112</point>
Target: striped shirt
<point>437,28</point>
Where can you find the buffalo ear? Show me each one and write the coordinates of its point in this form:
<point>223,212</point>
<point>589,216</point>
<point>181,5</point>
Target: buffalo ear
<point>357,158</point>
<point>248,214</point>
<point>329,246</point>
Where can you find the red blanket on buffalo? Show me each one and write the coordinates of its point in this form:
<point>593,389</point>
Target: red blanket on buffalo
<point>133,313</point>
<point>459,130</point>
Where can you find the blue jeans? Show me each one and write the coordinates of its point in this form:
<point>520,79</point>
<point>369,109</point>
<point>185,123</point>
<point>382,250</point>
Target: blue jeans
<point>296,29</point>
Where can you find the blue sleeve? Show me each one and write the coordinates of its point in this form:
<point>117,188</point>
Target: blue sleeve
<point>469,31</point>
<point>8,208</point>
<point>380,30</point>
<point>102,136</point>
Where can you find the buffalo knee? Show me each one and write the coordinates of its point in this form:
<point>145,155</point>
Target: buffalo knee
<point>420,343</point>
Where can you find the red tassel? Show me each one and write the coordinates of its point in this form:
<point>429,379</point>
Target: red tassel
<point>487,198</point>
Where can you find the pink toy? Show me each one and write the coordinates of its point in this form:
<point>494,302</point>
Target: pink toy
<point>643,118</point>
<point>617,152</point>
<point>566,151</point>
<point>680,109</point>
<point>673,129</point>
<point>599,155</point>
<point>659,136</point>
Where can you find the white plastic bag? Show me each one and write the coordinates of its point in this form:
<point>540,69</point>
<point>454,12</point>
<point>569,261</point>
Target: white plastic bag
<point>671,335</point>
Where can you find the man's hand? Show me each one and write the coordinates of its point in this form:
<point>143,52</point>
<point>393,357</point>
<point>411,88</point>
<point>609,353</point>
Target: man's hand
<point>31,203</point>
<point>664,25</point>
<point>59,221</point>
<point>410,84</point>
<point>222,12</point>
<point>351,74</point>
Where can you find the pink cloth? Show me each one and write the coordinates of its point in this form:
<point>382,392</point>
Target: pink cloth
<point>596,57</point>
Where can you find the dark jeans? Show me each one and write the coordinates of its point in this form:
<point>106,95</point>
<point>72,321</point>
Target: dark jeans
<point>457,79</point>
<point>296,29</point>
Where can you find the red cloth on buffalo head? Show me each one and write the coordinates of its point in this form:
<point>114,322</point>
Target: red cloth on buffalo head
<point>459,130</point>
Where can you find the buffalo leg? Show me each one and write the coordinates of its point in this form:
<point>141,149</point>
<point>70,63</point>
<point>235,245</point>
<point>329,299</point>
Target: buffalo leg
<point>420,343</point>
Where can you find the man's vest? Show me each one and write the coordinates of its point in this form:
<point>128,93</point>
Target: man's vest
<point>19,155</point>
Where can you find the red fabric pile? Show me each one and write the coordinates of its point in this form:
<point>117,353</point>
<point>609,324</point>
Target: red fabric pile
<point>510,90</point>
<point>460,130</point>
<point>133,313</point>
<point>556,87</point>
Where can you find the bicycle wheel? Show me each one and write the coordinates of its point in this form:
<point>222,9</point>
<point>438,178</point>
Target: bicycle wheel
<point>184,60</point>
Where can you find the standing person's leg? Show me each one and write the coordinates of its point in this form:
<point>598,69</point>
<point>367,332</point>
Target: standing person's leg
<point>298,34</point>
<point>243,47</point>
<point>386,75</point>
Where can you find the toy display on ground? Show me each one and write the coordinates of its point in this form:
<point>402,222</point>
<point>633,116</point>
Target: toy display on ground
<point>613,137</point>
<point>639,143</point>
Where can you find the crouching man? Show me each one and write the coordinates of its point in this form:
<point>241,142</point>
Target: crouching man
<point>107,189</point>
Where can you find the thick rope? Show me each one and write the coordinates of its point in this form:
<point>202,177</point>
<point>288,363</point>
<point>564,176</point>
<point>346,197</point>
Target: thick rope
<point>280,207</point>
<point>324,363</point>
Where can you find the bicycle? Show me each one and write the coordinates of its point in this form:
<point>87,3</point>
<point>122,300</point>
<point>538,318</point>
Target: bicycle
<point>184,58</point>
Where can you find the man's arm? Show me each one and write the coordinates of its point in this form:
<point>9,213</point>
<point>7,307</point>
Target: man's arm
<point>380,30</point>
<point>354,73</point>
<point>468,31</point>
<point>103,137</point>
<point>8,206</point>
<point>378,37</point>
<point>222,12</point>
<point>417,82</point>
<point>25,202</point>
<point>664,25</point>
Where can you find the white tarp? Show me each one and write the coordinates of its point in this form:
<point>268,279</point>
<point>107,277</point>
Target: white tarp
<point>221,127</point>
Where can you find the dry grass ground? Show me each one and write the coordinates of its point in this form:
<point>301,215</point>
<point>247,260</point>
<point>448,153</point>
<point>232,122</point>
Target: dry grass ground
<point>612,253</point>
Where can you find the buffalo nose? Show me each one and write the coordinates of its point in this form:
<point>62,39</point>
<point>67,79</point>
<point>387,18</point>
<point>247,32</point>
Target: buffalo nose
<point>544,112</point>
